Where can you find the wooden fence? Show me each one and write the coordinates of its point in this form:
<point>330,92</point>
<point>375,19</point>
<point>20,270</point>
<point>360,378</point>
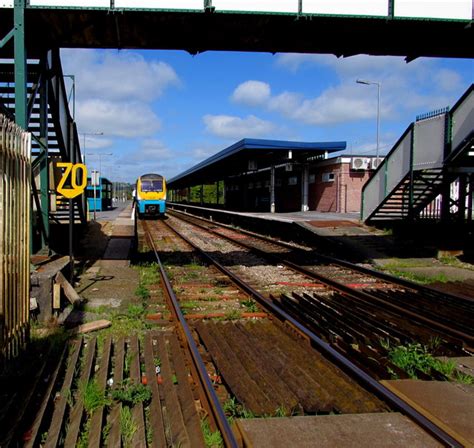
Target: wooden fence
<point>15,179</point>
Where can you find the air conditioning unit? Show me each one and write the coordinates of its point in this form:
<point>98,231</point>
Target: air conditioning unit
<point>374,163</point>
<point>360,163</point>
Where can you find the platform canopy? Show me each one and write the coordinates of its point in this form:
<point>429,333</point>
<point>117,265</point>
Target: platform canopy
<point>252,154</point>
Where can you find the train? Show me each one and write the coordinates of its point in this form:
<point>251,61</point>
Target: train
<point>99,198</point>
<point>150,196</point>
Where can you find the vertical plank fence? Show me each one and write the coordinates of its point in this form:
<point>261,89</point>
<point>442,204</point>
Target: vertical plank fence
<point>15,179</point>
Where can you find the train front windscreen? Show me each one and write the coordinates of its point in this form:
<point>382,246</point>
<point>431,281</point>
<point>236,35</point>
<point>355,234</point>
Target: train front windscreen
<point>152,185</point>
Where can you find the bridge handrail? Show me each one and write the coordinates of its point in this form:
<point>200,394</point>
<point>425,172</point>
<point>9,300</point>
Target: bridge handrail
<point>423,145</point>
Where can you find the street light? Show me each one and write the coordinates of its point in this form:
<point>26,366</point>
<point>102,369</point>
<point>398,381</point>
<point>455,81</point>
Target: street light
<point>100,154</point>
<point>84,140</point>
<point>379,86</point>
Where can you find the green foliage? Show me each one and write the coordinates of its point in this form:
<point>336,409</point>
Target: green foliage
<point>233,409</point>
<point>209,194</point>
<point>212,439</point>
<point>411,358</point>
<point>233,315</point>
<point>463,378</point>
<point>130,394</point>
<point>135,311</point>
<point>142,292</point>
<point>94,397</point>
<point>415,357</point>
<point>281,411</point>
<point>128,427</point>
<point>250,305</point>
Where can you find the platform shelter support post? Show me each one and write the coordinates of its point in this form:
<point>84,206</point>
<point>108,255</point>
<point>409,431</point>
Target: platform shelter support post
<point>462,196</point>
<point>470,197</point>
<point>304,188</point>
<point>272,189</point>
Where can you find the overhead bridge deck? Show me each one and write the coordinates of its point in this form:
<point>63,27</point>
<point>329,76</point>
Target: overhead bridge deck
<point>383,27</point>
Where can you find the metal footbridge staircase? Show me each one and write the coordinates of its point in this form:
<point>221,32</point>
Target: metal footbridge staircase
<point>429,173</point>
<point>54,139</point>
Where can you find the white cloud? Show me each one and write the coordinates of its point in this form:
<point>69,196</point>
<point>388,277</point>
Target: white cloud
<point>285,103</point>
<point>252,93</point>
<point>335,105</point>
<point>406,89</point>
<point>235,127</point>
<point>150,153</point>
<point>116,75</point>
<point>122,119</point>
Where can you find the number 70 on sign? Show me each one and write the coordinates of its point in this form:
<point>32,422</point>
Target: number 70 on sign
<point>71,170</point>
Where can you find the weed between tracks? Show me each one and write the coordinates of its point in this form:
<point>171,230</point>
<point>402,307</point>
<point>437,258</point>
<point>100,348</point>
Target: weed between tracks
<point>414,358</point>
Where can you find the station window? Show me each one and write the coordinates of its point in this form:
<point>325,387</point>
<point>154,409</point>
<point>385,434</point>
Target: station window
<point>267,183</point>
<point>278,182</point>
<point>258,185</point>
<point>293,180</point>
<point>328,177</point>
<point>312,178</point>
<point>250,185</point>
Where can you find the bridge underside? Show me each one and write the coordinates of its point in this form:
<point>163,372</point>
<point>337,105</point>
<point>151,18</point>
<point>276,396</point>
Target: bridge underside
<point>196,32</point>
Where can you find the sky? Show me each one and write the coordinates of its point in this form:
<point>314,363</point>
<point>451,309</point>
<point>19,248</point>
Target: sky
<point>165,111</point>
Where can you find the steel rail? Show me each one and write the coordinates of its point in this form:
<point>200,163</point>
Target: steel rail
<point>217,413</point>
<point>346,290</point>
<point>382,275</point>
<point>341,361</point>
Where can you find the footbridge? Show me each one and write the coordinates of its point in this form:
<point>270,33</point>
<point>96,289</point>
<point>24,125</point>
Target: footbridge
<point>429,173</point>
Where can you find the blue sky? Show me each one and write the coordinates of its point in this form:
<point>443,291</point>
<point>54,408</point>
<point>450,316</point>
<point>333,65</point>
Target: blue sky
<point>164,111</point>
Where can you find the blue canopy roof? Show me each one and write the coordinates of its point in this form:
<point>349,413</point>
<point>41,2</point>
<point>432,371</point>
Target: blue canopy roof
<point>253,147</point>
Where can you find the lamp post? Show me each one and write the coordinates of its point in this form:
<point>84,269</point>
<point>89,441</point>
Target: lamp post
<point>100,154</point>
<point>84,134</point>
<point>379,86</point>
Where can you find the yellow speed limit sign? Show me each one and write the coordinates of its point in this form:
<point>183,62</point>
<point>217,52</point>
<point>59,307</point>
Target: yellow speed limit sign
<point>75,189</point>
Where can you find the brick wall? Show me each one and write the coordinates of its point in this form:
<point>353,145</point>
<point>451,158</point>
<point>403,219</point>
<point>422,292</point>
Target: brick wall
<point>342,194</point>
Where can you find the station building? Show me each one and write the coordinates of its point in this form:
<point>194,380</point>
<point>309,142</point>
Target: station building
<point>276,176</point>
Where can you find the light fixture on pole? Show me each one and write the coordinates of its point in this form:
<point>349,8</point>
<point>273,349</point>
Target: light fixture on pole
<point>84,134</point>
<point>379,86</point>
<point>100,154</point>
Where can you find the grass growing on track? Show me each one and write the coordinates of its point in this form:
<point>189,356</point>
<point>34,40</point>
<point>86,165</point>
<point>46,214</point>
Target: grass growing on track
<point>212,439</point>
<point>416,357</point>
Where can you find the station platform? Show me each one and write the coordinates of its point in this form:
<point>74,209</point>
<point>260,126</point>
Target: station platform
<point>109,280</point>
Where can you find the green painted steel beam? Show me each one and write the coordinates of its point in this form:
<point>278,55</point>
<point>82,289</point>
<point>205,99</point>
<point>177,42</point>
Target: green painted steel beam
<point>7,38</point>
<point>44,166</point>
<point>20,64</point>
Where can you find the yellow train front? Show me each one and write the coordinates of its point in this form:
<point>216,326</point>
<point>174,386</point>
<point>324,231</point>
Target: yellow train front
<point>150,196</point>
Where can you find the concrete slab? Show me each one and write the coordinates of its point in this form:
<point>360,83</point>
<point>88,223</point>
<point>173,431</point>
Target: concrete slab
<point>338,431</point>
<point>452,404</point>
<point>110,302</point>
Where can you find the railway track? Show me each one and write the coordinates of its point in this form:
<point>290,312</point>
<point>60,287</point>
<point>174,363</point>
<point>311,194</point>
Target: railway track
<point>225,354</point>
<point>441,313</point>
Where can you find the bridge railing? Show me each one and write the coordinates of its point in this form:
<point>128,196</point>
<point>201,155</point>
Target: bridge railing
<point>15,185</point>
<point>388,175</point>
<point>462,118</point>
